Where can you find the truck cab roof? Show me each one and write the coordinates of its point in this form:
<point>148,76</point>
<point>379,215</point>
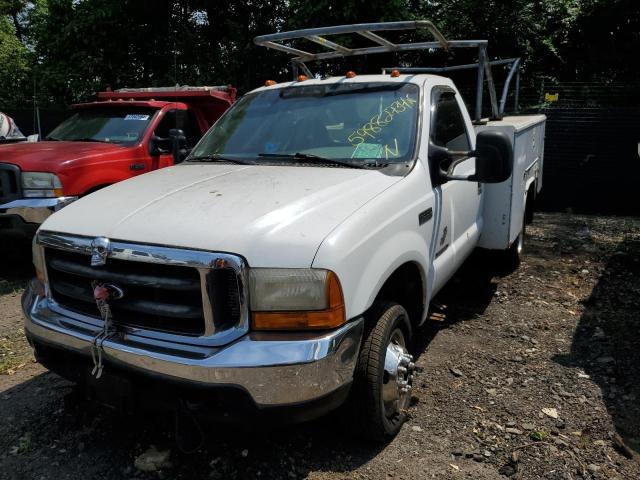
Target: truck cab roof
<point>157,97</point>
<point>418,79</point>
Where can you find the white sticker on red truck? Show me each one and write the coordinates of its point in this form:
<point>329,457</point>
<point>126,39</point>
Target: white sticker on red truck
<point>136,116</point>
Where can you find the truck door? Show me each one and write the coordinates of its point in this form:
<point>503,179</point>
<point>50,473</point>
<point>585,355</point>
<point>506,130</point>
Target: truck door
<point>457,230</point>
<point>182,119</point>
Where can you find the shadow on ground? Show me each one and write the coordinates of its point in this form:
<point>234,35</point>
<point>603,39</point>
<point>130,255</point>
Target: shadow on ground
<point>465,297</point>
<point>15,264</point>
<point>606,343</point>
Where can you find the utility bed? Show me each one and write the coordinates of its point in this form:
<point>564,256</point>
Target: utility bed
<point>501,226</point>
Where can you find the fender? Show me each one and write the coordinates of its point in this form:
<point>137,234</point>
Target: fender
<point>380,268</point>
<point>83,185</point>
<point>366,249</point>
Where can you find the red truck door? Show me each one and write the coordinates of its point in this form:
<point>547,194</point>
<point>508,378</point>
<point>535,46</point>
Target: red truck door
<point>180,118</point>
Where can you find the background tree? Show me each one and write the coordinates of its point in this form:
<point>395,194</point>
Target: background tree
<point>15,59</point>
<point>72,48</point>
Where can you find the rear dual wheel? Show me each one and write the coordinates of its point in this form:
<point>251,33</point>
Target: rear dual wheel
<point>384,374</point>
<point>510,259</point>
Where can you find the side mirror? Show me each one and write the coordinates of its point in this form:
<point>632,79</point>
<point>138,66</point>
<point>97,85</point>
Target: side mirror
<point>493,154</point>
<point>494,157</point>
<point>159,146</point>
<point>178,144</point>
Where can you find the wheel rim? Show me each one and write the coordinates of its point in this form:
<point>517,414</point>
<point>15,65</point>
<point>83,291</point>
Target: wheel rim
<point>398,375</point>
<point>520,242</point>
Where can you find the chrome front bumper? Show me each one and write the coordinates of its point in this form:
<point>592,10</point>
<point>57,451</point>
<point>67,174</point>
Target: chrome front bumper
<point>276,369</point>
<point>35,210</point>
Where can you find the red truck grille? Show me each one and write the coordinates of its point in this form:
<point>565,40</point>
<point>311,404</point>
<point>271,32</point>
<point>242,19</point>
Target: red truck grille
<point>9,183</point>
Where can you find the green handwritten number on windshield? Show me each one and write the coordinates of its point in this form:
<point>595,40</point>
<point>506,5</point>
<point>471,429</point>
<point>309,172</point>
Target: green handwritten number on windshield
<point>393,152</point>
<point>381,120</point>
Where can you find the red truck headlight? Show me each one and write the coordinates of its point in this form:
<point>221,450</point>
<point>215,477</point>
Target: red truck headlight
<point>41,184</point>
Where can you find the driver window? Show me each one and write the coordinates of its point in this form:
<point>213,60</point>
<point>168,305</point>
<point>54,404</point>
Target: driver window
<point>449,129</point>
<point>168,122</point>
<point>182,120</point>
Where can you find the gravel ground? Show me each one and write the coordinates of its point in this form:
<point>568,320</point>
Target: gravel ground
<point>532,374</point>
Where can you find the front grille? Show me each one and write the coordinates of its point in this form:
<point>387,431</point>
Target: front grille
<point>166,298</point>
<point>9,183</point>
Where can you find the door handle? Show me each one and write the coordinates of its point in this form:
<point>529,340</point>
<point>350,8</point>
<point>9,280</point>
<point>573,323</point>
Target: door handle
<point>137,166</point>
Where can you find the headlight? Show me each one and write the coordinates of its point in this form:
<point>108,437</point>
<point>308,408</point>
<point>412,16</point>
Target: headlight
<point>292,299</point>
<point>40,184</point>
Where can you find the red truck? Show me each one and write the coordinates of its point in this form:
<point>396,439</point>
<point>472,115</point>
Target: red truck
<point>124,133</point>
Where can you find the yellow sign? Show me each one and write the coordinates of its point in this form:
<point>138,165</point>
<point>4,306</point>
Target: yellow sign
<point>551,97</point>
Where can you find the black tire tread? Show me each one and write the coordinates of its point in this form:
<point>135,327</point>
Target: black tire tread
<point>510,259</point>
<point>366,409</point>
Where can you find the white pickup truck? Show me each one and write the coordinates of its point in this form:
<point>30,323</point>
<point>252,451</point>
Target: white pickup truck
<point>285,264</point>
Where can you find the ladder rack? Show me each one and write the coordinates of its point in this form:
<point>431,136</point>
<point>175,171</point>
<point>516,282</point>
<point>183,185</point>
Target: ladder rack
<point>383,45</point>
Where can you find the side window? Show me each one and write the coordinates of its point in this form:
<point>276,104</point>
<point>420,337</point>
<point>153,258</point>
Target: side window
<point>449,129</point>
<point>185,120</point>
<point>168,122</point>
<point>191,127</point>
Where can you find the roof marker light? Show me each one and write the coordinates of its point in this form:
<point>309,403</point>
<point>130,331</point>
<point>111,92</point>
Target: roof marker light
<point>350,74</point>
<point>302,78</point>
<point>395,73</point>
<point>268,83</point>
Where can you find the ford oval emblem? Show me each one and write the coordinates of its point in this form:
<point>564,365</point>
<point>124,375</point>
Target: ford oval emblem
<point>115,292</point>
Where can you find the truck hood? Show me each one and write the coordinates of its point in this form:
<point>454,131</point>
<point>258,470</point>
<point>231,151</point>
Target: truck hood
<point>271,215</point>
<point>52,156</point>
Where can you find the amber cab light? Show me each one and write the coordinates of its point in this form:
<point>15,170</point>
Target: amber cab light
<point>268,83</point>
<point>350,74</point>
<point>331,317</point>
<point>395,73</point>
<point>302,78</point>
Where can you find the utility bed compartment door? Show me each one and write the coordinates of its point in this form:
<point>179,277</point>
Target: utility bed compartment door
<point>504,203</point>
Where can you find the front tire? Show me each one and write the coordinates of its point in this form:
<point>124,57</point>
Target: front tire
<point>383,377</point>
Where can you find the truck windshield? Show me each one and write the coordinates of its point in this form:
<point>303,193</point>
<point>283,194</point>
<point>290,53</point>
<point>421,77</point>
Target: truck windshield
<point>105,124</point>
<point>353,123</point>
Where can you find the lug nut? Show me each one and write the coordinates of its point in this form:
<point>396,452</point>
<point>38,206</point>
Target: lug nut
<point>402,370</point>
<point>411,366</point>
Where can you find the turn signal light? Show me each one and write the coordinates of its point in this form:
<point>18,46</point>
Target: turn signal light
<point>302,78</point>
<point>350,74</point>
<point>395,73</point>
<point>331,317</point>
<point>268,83</point>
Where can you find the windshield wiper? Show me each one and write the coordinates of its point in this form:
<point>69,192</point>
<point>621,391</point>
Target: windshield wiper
<point>301,157</point>
<point>87,139</point>
<point>217,158</point>
<point>52,139</point>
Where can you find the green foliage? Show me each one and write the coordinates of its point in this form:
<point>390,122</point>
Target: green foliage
<point>15,62</point>
<point>537,436</point>
<point>72,48</point>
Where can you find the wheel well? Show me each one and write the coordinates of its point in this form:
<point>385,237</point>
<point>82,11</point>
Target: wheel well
<point>406,287</point>
<point>96,188</point>
<point>528,208</point>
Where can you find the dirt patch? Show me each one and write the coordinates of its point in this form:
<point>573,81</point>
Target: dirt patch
<point>531,375</point>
